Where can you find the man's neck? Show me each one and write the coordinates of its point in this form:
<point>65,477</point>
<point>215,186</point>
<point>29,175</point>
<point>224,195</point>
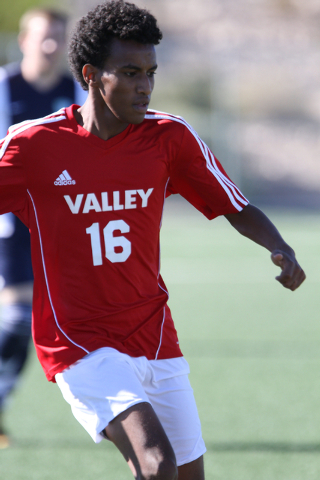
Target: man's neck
<point>98,120</point>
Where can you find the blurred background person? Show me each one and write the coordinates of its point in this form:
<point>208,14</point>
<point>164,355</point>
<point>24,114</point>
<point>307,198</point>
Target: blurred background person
<point>36,87</point>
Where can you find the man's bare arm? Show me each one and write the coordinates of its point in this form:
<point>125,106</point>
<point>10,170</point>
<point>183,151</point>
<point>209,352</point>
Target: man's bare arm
<point>254,224</point>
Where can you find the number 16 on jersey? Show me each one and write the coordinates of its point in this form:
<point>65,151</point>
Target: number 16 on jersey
<point>110,242</point>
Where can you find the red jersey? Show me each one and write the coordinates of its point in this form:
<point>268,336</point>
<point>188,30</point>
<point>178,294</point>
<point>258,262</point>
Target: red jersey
<point>94,211</point>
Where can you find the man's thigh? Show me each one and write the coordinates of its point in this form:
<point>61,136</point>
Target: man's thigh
<point>141,439</point>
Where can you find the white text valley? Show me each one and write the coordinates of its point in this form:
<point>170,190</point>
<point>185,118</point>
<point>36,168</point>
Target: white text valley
<point>106,202</point>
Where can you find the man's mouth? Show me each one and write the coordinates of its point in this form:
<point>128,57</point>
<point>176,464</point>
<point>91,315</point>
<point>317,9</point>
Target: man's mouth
<point>141,106</point>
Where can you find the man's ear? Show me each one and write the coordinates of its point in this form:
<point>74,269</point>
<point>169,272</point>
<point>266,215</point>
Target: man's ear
<point>89,73</point>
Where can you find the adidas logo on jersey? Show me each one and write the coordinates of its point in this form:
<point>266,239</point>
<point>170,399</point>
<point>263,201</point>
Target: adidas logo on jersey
<point>64,179</point>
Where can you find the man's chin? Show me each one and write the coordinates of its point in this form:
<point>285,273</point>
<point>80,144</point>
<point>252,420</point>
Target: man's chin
<point>138,120</point>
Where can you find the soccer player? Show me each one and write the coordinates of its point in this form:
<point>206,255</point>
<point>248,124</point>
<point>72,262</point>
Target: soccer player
<point>31,89</point>
<point>90,182</point>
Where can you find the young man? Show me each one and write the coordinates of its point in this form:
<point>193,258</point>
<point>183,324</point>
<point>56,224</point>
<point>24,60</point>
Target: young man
<point>90,183</point>
<point>31,89</point>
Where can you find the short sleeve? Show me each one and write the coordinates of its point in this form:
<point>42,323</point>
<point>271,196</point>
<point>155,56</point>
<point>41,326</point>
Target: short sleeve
<point>13,189</point>
<point>198,176</point>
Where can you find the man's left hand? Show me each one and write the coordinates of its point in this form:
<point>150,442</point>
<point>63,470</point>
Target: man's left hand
<point>291,275</point>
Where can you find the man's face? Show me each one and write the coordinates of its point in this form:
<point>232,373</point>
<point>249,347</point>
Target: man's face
<point>44,42</point>
<point>127,80</point>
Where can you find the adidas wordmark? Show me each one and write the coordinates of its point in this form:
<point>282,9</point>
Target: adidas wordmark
<point>64,179</point>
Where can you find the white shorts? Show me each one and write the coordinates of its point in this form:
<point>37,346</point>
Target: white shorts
<point>105,383</point>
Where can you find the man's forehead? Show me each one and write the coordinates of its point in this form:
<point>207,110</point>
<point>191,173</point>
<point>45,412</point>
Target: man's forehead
<point>128,51</point>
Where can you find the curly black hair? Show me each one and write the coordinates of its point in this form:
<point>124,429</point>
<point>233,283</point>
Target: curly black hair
<point>91,38</point>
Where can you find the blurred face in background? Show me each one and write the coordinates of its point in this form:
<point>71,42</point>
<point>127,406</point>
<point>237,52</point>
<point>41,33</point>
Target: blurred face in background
<point>43,43</point>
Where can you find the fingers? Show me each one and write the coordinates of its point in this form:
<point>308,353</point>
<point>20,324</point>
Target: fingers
<point>291,275</point>
<point>292,282</point>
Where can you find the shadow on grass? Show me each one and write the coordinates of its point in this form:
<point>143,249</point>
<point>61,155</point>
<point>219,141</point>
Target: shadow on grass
<point>263,447</point>
<point>53,443</point>
<point>222,447</point>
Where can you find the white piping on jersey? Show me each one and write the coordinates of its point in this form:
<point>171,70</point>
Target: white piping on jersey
<point>164,310</point>
<point>164,316</point>
<point>229,187</point>
<point>47,283</point>
<point>164,199</point>
<point>21,127</point>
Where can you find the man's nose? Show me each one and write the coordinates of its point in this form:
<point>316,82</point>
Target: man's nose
<point>145,85</point>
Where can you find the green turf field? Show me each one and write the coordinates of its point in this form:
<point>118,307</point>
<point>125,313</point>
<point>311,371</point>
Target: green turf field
<point>254,352</point>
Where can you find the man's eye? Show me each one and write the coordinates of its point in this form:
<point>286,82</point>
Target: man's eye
<point>130,74</point>
<point>151,74</point>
